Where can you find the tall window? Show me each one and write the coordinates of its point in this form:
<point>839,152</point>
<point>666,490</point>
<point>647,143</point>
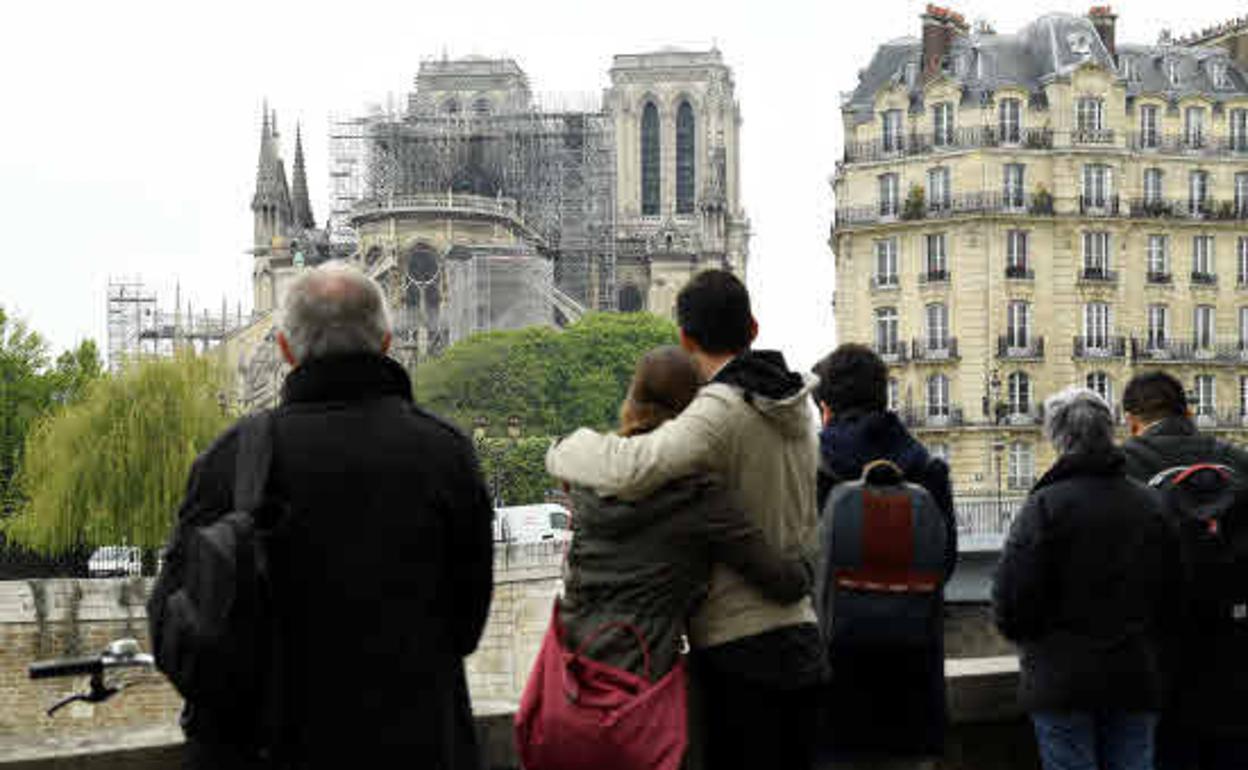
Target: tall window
<point>1017,324</point>
<point>1243,397</point>
<point>1096,253</point>
<point>1239,130</point>
<point>1013,185</point>
<point>886,343</point>
<point>937,326</point>
<point>1217,73</point>
<point>1203,325</point>
<point>1016,256</point>
<point>894,394</point>
<point>1172,72</point>
<point>1009,120</point>
<point>1206,396</point>
<point>1019,393</point>
<point>1241,195</point>
<point>1022,466</point>
<point>1243,328</point>
<point>938,194</point>
<point>1153,181</point>
<point>938,396</point>
<point>942,124</point>
<point>1158,257</point>
<point>1097,184</point>
<point>1096,325</point>
<point>1241,258</point>
<point>1148,126</point>
<point>1158,327</point>
<point>1198,192</point>
<point>1100,384</point>
<point>1202,256</point>
<point>890,195</point>
<point>936,259</point>
<point>650,159</point>
<point>685,153</point>
<point>891,130</point>
<point>886,262</point>
<point>1089,117</point>
<point>1194,127</point>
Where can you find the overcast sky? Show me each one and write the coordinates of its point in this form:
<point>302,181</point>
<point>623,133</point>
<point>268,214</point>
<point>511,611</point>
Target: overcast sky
<point>130,133</point>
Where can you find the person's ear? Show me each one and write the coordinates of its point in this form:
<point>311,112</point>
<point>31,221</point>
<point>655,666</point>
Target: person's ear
<point>284,345</point>
<point>687,343</point>
<point>1135,426</point>
<point>753,330</point>
<point>385,343</point>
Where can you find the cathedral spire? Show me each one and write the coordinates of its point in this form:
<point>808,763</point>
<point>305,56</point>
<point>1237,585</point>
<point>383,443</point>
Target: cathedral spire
<point>301,207</point>
<point>271,202</point>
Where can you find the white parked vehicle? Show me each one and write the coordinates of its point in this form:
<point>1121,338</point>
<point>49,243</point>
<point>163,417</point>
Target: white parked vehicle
<point>532,523</point>
<point>115,561</point>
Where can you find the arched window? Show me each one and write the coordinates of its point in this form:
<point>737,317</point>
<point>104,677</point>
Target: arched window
<point>650,159</point>
<point>685,165</point>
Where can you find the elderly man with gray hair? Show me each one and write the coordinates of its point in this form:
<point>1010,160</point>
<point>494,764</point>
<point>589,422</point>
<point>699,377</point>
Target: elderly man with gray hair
<point>383,572</point>
<point>1086,588</point>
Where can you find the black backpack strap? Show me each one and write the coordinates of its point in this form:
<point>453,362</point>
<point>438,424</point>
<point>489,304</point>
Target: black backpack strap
<point>254,461</point>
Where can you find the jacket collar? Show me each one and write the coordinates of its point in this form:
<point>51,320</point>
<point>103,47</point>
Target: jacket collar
<point>761,373</point>
<point>1172,426</point>
<point>1111,462</point>
<point>348,377</point>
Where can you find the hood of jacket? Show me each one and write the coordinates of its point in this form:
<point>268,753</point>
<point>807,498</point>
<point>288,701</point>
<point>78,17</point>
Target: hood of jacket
<point>770,387</point>
<point>1111,462</point>
<point>346,377</point>
<point>854,439</point>
<point>613,518</point>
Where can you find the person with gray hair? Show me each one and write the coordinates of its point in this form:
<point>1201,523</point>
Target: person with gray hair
<point>1086,588</point>
<point>385,518</point>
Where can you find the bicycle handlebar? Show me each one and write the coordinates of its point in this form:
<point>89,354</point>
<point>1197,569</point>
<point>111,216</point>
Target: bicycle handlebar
<point>123,653</point>
<point>46,669</point>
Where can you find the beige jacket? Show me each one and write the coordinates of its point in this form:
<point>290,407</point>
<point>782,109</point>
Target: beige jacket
<point>765,451</point>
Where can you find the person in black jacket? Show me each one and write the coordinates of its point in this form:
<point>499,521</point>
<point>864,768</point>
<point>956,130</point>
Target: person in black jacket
<point>1085,587</point>
<point>1205,724</point>
<point>883,704</point>
<point>389,529</point>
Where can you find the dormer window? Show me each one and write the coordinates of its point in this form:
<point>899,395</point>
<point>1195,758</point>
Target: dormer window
<point>1217,73</point>
<point>1172,72</point>
<point>1129,69</point>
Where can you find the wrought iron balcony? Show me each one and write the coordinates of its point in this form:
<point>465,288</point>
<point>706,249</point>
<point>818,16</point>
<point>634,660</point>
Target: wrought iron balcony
<point>1019,273</point>
<point>1092,136</point>
<point>1099,206</point>
<point>1182,143</point>
<point>965,204</point>
<point>925,142</point>
<point>934,351</point>
<point>1172,351</point>
<point>1099,347</point>
<point>1098,275</point>
<point>1030,349</point>
<point>947,416</point>
<point>891,354</point>
<point>885,281</point>
<point>1201,278</point>
<point>934,276</point>
<point>1172,208</point>
<point>1020,414</point>
<point>1159,278</point>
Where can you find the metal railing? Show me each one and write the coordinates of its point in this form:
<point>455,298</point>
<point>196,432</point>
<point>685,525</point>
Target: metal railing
<point>985,512</point>
<point>933,417</point>
<point>1173,208</point>
<point>934,276</point>
<point>956,205</point>
<point>1159,278</point>
<point>1098,205</point>
<point>1019,273</point>
<point>1201,278</point>
<point>1098,275</point>
<point>1100,347</point>
<point>1096,136</point>
<point>1032,349</point>
<point>1185,144</point>
<point>895,355</point>
<point>885,281</point>
<point>926,142</point>
<point>1172,351</point>
<point>934,351</point>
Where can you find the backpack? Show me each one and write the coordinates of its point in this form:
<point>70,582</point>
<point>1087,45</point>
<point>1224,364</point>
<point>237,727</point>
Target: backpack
<point>211,616</point>
<point>883,544</point>
<point>1209,504</point>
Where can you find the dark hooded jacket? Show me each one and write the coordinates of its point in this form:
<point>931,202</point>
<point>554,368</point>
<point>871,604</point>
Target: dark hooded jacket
<point>886,702</point>
<point>1087,588</point>
<point>648,563</point>
<point>1209,670</point>
<point>390,527</point>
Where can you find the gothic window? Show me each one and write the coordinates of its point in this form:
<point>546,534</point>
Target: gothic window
<point>685,165</point>
<point>650,160</point>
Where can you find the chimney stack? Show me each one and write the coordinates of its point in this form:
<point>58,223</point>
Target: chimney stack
<point>1103,20</point>
<point>941,27</point>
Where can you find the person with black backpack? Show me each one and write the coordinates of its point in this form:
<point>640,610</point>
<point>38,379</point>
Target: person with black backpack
<point>1205,724</point>
<point>886,701</point>
<point>332,562</point>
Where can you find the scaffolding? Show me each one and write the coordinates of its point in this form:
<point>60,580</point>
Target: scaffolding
<point>138,327</point>
<point>131,312</point>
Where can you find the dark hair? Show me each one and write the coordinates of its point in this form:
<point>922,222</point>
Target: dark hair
<point>713,310</point>
<point>1154,395</point>
<point>664,383</point>
<point>852,377</point>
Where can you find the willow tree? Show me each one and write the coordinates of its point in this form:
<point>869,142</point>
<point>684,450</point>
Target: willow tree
<point>112,468</point>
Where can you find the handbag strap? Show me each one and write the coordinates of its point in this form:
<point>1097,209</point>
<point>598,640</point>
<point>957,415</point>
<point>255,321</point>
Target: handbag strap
<point>614,625</point>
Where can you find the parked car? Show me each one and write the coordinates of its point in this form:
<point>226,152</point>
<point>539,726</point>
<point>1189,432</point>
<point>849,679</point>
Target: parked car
<point>115,561</point>
<point>532,523</point>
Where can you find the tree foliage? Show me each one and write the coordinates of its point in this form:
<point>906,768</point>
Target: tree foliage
<point>112,467</point>
<point>553,381</point>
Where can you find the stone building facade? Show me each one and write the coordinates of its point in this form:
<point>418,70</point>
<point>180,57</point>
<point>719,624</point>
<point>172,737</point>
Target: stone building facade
<point>1021,212</point>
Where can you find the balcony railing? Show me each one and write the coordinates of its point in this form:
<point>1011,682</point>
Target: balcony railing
<point>1092,136</point>
<point>1226,418</point>
<point>922,143</point>
<point>957,205</point>
<point>885,282</point>
<point>1159,278</point>
<point>892,354</point>
<point>1187,145</point>
<point>1172,351</point>
<point>1201,278</point>
<point>1024,414</point>
<point>934,351</point>
<point>1019,273</point>
<point>1172,208</point>
<point>1098,206</point>
<point>934,276</point>
<point>1100,347</point>
<point>1031,349</point>
<point>933,417</point>
<point>1098,275</point>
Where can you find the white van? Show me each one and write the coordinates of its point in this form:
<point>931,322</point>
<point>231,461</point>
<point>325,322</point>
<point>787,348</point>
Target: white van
<point>532,523</point>
<point>115,561</point>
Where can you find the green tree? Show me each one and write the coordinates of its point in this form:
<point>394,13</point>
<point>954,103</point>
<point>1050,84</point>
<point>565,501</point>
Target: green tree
<point>112,467</point>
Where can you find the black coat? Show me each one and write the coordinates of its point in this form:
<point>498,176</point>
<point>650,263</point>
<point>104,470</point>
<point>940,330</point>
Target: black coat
<point>1210,671</point>
<point>886,702</point>
<point>384,582</point>
<point>1086,587</point>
